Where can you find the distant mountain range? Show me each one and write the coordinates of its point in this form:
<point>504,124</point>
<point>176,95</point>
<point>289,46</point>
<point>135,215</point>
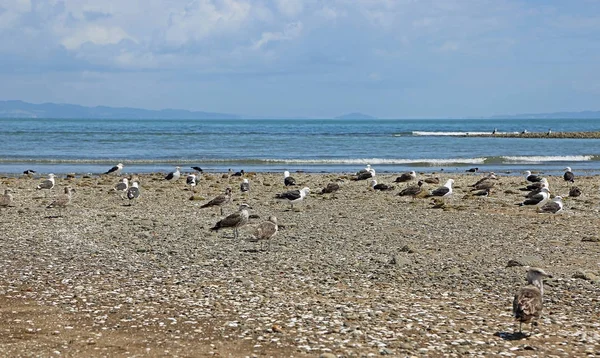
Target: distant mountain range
<point>554,115</point>
<point>20,109</point>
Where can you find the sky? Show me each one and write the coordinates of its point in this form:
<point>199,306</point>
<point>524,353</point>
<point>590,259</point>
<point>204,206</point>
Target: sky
<point>307,58</point>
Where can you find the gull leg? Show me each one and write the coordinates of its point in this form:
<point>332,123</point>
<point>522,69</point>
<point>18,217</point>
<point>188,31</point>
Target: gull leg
<point>221,210</point>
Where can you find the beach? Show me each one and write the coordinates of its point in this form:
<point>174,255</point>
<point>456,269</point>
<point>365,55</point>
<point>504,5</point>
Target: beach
<point>353,273</point>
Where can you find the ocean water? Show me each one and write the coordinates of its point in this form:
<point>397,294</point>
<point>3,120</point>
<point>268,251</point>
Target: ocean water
<point>93,146</point>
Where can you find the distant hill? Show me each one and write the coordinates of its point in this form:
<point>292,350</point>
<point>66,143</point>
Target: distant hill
<point>20,109</point>
<point>554,115</point>
<point>355,115</point>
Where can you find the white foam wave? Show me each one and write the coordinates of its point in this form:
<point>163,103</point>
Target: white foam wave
<point>541,159</point>
<point>381,161</point>
<point>457,134</point>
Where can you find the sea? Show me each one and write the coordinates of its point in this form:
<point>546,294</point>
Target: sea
<point>85,146</point>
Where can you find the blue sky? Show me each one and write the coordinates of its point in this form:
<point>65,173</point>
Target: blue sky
<point>387,58</point>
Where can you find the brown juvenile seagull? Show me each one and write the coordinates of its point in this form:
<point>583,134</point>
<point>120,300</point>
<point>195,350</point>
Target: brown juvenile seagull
<point>235,220</point>
<point>6,200</point>
<point>62,201</point>
<point>528,302</point>
<point>406,177</point>
<point>219,200</point>
<point>265,231</point>
<point>330,188</point>
<point>412,190</point>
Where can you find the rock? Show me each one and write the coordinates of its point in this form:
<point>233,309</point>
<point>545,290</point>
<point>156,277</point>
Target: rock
<point>525,261</point>
<point>588,276</point>
<point>590,239</point>
<point>399,260</point>
<point>327,355</point>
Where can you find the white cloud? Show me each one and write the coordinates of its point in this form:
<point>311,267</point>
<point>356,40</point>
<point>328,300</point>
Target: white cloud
<point>291,31</point>
<point>290,8</point>
<point>97,35</point>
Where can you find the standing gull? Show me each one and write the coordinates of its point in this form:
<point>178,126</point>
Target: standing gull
<point>537,199</point>
<point>265,231</point>
<point>532,178</point>
<point>47,184</point>
<point>133,192</point>
<point>245,186</point>
<point>406,177</point>
<point>287,179</point>
<point>444,190</point>
<point>116,170</point>
<point>235,220</point>
<point>6,200</point>
<point>62,201</point>
<point>294,196</point>
<point>191,181</point>
<point>174,176</point>
<point>552,207</point>
<point>219,200</point>
<point>529,301</point>
<point>122,186</point>
<point>569,176</point>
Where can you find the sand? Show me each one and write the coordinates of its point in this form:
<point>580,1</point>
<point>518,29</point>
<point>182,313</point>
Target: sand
<point>354,273</point>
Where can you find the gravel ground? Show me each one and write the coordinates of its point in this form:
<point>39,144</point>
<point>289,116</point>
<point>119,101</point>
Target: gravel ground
<point>350,274</point>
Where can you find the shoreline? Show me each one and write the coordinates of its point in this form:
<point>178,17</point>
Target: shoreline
<point>538,135</point>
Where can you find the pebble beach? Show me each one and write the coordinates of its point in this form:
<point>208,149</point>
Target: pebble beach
<point>355,273</point>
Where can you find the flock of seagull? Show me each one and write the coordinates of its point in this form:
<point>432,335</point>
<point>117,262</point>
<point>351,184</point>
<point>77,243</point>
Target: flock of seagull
<point>527,303</point>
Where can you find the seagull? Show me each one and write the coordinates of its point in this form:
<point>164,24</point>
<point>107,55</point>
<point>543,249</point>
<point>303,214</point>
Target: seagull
<point>191,181</point>
<point>330,188</point>
<point>381,187</point>
<point>549,132</point>
<point>239,174</point>
<point>574,192</point>
<point>537,185</point>
<point>537,199</point>
<point>472,170</point>
<point>413,190</point>
<point>62,201</point>
<point>116,170</point>
<point>483,185</point>
<point>529,301</point>
<point>29,172</point>
<point>47,184</point>
<point>122,186</point>
<point>245,186</point>
<point>367,169</point>
<point>265,231</point>
<point>219,200</point>
<point>133,192</point>
<point>235,220</point>
<point>363,175</point>
<point>294,196</point>
<point>495,131</point>
<point>489,176</point>
<point>287,179</point>
<point>483,192</point>
<point>174,176</point>
<point>445,190</point>
<point>198,169</point>
<point>569,176</point>
<point>406,177</point>
<point>532,178</point>
<point>552,207</point>
<point>434,180</point>
<point>6,200</point>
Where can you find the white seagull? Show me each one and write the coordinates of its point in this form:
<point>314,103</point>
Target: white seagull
<point>287,179</point>
<point>294,196</point>
<point>133,192</point>
<point>245,186</point>
<point>122,186</point>
<point>47,184</point>
<point>116,170</point>
<point>537,199</point>
<point>552,207</point>
<point>174,176</point>
<point>191,181</point>
<point>445,190</point>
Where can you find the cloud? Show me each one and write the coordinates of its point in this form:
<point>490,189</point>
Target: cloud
<point>291,31</point>
<point>97,35</point>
